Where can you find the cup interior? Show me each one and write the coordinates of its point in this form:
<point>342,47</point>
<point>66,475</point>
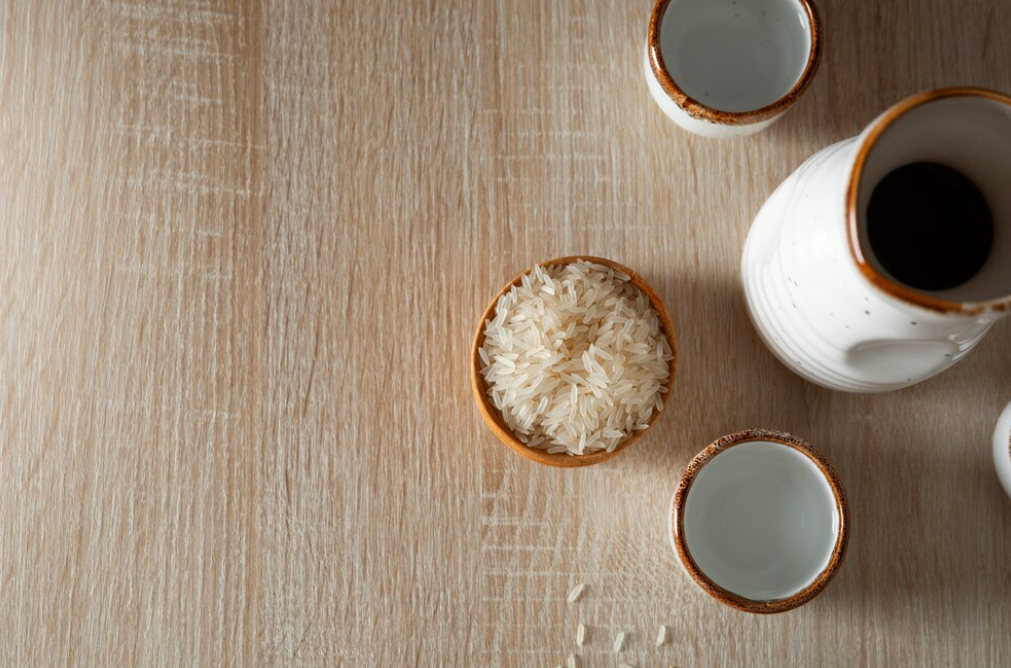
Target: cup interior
<point>969,132</point>
<point>761,520</point>
<point>736,55</point>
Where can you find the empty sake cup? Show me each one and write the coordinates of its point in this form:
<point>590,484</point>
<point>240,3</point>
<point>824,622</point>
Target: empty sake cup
<point>759,521</point>
<point>728,68</point>
<point>1002,449</point>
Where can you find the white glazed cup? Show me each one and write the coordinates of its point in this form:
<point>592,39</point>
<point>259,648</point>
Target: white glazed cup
<point>759,521</point>
<point>729,68</point>
<point>1002,449</point>
<point>814,290</point>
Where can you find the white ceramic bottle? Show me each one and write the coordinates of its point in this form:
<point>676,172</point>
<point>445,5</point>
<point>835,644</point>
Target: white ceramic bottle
<point>821,300</point>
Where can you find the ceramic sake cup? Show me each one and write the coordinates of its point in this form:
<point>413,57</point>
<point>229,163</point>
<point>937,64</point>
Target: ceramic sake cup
<point>729,68</point>
<point>1002,449</point>
<point>493,417</point>
<point>760,521</point>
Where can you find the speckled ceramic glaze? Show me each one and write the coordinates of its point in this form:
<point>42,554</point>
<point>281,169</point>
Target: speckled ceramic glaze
<point>728,68</point>
<point>1002,449</point>
<point>815,292</point>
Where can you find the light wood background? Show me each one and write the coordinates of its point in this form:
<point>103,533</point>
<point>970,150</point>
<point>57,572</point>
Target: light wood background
<point>243,248</point>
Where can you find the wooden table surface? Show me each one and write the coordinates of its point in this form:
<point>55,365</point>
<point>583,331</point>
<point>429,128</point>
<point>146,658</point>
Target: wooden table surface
<point>243,249</point>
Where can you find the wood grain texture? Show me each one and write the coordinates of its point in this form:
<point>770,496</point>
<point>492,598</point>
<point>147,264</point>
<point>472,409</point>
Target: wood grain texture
<point>244,247</point>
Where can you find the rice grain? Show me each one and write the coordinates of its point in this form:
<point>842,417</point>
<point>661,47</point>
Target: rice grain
<point>576,592</point>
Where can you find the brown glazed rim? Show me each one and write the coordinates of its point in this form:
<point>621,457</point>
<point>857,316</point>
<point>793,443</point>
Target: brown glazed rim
<point>724,595</point>
<point>493,418</point>
<point>877,278</point>
<point>695,108</point>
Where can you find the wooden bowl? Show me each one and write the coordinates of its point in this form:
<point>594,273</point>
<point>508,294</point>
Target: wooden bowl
<point>493,417</point>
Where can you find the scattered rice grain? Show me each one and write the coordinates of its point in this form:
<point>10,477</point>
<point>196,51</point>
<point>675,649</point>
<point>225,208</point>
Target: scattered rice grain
<point>580,635</point>
<point>661,636</point>
<point>576,592</point>
<point>619,642</point>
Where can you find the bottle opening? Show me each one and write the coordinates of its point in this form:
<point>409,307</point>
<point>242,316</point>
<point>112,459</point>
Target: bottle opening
<point>933,198</point>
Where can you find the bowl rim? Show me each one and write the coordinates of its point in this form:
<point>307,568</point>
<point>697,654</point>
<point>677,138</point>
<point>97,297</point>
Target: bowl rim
<point>493,418</point>
<point>698,109</point>
<point>726,596</point>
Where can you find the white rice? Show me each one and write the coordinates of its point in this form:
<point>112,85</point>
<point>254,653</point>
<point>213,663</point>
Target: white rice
<point>576,592</point>
<point>573,662</point>
<point>619,642</point>
<point>661,636</point>
<point>575,359</point>
<point>580,635</point>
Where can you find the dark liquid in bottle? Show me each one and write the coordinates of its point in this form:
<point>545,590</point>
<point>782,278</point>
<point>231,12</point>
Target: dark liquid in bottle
<point>929,226</point>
